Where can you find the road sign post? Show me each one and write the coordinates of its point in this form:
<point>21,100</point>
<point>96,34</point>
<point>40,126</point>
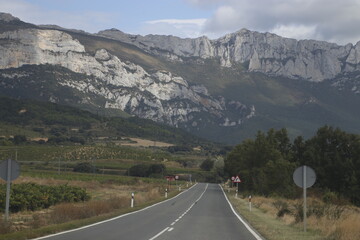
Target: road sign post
<point>237,181</point>
<point>9,170</point>
<point>304,177</point>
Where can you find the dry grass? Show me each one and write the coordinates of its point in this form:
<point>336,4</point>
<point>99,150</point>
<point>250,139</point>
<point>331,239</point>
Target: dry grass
<point>333,222</point>
<point>106,198</point>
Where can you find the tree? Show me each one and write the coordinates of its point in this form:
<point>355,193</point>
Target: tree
<point>207,165</point>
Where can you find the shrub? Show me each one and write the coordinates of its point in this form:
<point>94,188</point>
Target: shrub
<point>207,165</point>
<point>31,196</point>
<point>85,168</point>
<point>144,170</point>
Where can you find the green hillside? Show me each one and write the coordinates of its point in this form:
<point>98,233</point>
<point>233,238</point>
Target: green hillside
<point>62,123</point>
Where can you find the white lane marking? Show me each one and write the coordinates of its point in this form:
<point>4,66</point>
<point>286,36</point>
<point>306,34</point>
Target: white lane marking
<point>159,234</point>
<point>112,219</point>
<point>172,224</point>
<point>240,218</point>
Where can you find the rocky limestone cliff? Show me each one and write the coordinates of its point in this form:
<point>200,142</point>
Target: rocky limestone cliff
<point>260,52</point>
<point>159,96</point>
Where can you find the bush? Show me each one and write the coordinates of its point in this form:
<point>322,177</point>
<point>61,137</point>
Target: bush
<point>31,196</point>
<point>207,165</point>
<point>144,170</point>
<point>85,168</point>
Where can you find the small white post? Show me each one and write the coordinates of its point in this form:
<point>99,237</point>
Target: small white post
<point>236,194</point>
<point>166,193</point>
<point>179,188</point>
<point>250,203</point>
<point>132,199</point>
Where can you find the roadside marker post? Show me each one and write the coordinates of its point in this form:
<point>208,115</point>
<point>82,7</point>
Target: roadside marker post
<point>132,199</point>
<point>250,203</point>
<point>166,193</point>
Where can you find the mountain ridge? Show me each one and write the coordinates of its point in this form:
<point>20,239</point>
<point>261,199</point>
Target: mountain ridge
<point>200,93</point>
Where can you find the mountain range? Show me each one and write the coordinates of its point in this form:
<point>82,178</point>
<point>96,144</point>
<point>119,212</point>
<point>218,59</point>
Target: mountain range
<point>224,89</point>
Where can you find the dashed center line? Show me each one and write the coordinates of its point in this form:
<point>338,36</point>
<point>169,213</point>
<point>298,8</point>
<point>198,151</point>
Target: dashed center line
<point>169,229</point>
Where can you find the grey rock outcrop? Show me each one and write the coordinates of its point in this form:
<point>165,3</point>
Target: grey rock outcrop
<point>160,96</point>
<point>261,52</point>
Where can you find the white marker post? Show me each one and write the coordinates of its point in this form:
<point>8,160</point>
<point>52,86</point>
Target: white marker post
<point>250,203</point>
<point>132,199</point>
<point>166,193</point>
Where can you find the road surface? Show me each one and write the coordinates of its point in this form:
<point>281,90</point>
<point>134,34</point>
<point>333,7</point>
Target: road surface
<point>200,213</point>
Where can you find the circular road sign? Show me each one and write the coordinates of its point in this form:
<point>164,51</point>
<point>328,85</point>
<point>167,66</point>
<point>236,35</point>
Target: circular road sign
<point>310,176</point>
<point>15,169</point>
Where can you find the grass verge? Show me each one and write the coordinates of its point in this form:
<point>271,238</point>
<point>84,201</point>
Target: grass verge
<point>268,226</point>
<point>54,228</point>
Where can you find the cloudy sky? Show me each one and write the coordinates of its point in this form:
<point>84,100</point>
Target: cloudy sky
<point>329,20</point>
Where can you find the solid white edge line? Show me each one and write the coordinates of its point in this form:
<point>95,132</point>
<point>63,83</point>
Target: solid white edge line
<point>157,235</point>
<point>240,218</point>
<point>112,219</point>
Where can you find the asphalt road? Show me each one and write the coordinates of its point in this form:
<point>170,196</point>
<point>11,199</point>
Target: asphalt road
<point>202,212</point>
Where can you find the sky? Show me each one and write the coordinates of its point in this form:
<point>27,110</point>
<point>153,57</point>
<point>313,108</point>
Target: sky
<point>328,20</point>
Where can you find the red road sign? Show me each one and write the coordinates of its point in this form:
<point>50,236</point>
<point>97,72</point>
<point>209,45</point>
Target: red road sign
<point>170,178</point>
<point>237,180</point>
<point>232,178</point>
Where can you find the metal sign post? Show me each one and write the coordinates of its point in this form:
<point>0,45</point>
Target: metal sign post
<point>9,170</point>
<point>304,177</point>
<point>237,180</point>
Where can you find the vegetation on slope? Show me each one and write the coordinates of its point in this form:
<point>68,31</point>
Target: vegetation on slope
<point>266,164</point>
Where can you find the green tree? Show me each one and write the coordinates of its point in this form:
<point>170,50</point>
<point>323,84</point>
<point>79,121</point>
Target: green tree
<point>207,165</point>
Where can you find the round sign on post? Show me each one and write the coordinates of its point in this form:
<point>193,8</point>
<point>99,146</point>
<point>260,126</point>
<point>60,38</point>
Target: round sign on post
<point>9,170</point>
<point>14,169</point>
<point>304,177</point>
<point>310,176</point>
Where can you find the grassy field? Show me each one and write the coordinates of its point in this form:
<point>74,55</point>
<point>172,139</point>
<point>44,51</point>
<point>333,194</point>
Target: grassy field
<point>280,219</point>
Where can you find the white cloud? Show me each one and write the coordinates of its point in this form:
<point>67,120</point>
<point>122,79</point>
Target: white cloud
<point>328,20</point>
<point>295,31</point>
<point>187,28</point>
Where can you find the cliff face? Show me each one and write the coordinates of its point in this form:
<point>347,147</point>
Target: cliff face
<point>261,52</point>
<point>159,96</point>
